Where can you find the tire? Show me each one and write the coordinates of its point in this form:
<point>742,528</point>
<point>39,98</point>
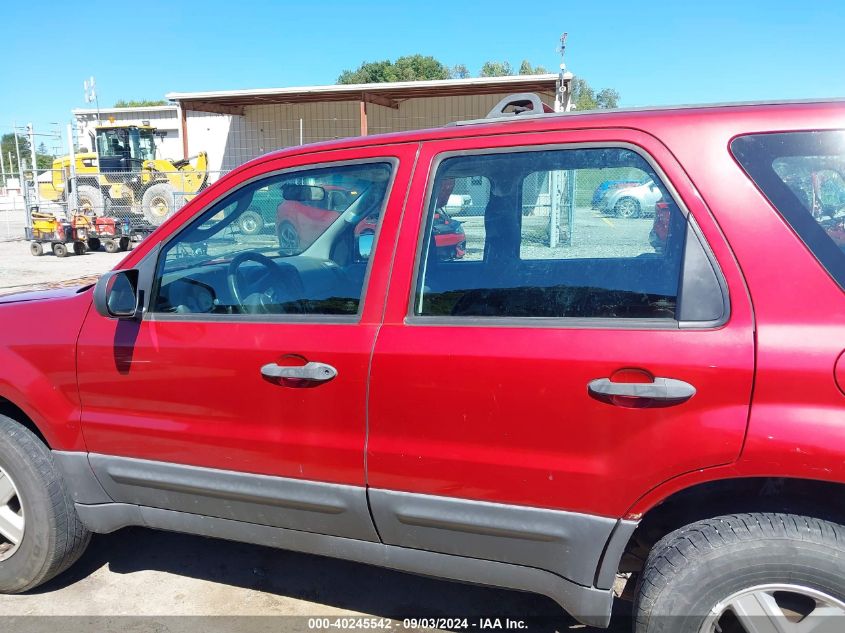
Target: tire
<point>288,239</point>
<point>36,249</point>
<point>53,537</point>
<point>79,248</point>
<point>157,203</point>
<point>251,223</point>
<point>94,243</point>
<point>91,199</point>
<point>123,243</point>
<point>627,207</point>
<point>111,246</point>
<point>708,573</point>
<point>60,250</point>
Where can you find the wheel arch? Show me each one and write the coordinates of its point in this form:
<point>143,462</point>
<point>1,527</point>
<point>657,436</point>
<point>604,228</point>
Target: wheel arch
<point>16,413</point>
<point>708,499</point>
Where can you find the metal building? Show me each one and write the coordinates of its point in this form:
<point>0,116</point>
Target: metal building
<point>234,126</point>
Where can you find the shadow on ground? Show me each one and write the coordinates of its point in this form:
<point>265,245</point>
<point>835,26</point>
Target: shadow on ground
<point>360,588</point>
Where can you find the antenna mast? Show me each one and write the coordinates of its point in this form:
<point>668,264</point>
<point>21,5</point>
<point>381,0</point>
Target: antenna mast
<point>563,94</point>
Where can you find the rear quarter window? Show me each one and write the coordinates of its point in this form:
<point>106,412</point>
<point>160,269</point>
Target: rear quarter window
<point>803,176</point>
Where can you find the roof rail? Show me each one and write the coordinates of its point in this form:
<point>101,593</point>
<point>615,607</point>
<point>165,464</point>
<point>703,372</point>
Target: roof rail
<point>519,103</point>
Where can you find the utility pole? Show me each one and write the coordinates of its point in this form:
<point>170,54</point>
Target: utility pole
<point>558,191</point>
<point>18,151</point>
<point>563,96</point>
<point>31,132</point>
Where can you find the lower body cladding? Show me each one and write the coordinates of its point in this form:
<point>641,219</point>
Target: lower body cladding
<point>572,558</point>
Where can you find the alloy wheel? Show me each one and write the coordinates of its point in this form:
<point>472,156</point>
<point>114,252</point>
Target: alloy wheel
<point>11,516</point>
<point>159,207</point>
<point>776,608</point>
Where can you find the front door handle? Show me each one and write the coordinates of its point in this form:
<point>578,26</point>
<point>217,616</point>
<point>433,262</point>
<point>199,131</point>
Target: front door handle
<point>311,372</point>
<point>666,391</point>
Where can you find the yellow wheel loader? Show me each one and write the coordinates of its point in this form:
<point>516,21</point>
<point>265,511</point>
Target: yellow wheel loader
<point>124,176</point>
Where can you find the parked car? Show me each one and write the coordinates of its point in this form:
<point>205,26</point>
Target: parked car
<point>631,201</point>
<point>606,187</point>
<point>549,419</point>
<point>458,203</point>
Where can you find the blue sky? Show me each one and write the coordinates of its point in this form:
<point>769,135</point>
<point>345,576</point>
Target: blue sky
<point>651,52</point>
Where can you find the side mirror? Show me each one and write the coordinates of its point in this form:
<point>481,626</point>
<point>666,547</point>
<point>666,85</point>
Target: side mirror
<point>364,245</point>
<point>116,295</point>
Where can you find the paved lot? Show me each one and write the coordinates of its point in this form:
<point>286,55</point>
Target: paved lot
<point>158,575</point>
<point>21,271</point>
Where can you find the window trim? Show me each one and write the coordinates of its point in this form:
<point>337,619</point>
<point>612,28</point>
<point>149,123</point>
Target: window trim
<point>293,319</point>
<point>601,323</point>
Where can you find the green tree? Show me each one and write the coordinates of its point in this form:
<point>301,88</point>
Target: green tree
<point>7,145</point>
<point>496,69</point>
<point>139,103</point>
<point>525,68</point>
<point>607,98</point>
<point>43,158</point>
<point>407,68</point>
<point>460,71</point>
<point>586,98</point>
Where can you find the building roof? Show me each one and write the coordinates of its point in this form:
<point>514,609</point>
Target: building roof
<point>160,108</point>
<point>387,94</point>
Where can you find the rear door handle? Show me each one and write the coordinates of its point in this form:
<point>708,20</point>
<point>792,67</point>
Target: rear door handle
<point>310,371</point>
<point>663,390</point>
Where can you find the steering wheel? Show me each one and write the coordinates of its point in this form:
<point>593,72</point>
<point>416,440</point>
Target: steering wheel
<point>267,292</point>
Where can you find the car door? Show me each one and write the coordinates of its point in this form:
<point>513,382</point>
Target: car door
<point>525,394</point>
<point>248,401</point>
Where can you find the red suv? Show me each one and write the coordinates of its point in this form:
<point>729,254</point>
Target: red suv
<point>566,407</point>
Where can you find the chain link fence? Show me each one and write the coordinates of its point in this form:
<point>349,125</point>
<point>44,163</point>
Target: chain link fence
<point>143,199</point>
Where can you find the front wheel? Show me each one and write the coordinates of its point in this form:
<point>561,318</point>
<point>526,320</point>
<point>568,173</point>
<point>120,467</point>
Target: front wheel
<point>251,223</point>
<point>627,208</point>
<point>158,203</point>
<point>93,243</point>
<point>745,573</point>
<point>40,532</point>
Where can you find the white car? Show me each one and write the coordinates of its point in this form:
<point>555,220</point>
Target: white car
<point>632,202</point>
<point>457,203</point>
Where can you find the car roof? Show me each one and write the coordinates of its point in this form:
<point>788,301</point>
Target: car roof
<point>744,117</point>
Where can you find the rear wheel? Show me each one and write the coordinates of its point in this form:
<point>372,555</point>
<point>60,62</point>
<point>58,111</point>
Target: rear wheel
<point>124,243</point>
<point>111,246</point>
<point>745,573</point>
<point>158,203</point>
<point>60,250</point>
<point>627,208</point>
<point>78,248</point>
<point>93,243</point>
<point>36,249</point>
<point>288,239</point>
<point>251,223</point>
<point>40,532</point>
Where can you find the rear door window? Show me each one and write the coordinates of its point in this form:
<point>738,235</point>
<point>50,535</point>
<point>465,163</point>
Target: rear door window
<point>536,240</point>
<point>803,176</point>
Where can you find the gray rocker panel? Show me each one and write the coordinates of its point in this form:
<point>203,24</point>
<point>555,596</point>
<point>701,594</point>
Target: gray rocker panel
<point>588,605</point>
<point>566,543</point>
<point>325,508</point>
